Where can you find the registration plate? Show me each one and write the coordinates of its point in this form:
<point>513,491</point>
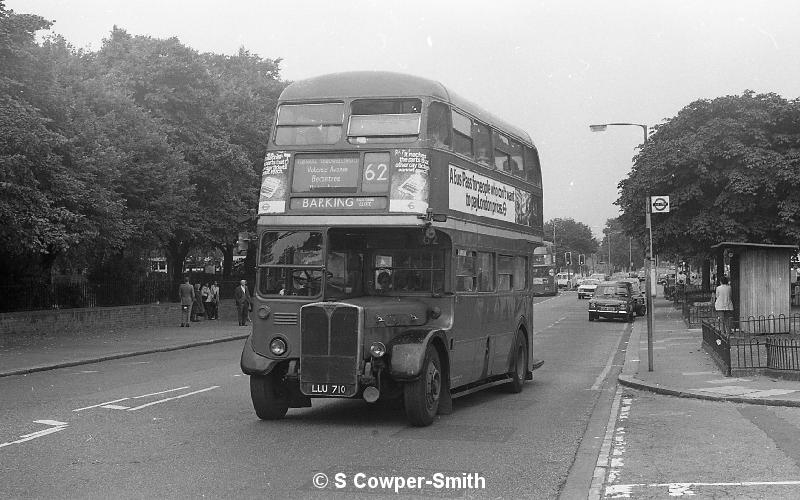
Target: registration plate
<point>328,389</point>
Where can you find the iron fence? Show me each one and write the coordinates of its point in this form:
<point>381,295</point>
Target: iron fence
<point>752,344</point>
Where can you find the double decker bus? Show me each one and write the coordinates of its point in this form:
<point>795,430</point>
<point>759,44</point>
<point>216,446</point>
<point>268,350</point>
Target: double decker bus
<point>544,272</point>
<point>396,229</point>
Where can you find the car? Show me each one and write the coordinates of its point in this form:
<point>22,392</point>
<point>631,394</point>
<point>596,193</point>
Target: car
<point>613,299</point>
<point>565,280</point>
<point>598,277</point>
<point>641,300</point>
<point>586,289</point>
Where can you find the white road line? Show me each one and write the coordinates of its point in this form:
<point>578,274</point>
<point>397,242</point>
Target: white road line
<point>100,404</point>
<point>172,398</point>
<point>161,392</point>
<point>685,489</point>
<point>115,407</point>
<point>603,374</point>
<point>601,467</point>
<point>59,426</point>
<point>50,422</point>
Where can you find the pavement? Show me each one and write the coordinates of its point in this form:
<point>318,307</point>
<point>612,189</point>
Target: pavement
<point>680,365</point>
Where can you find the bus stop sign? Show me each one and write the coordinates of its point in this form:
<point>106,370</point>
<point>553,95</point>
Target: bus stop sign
<point>659,204</point>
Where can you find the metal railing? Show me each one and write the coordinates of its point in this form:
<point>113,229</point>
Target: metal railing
<point>752,344</point>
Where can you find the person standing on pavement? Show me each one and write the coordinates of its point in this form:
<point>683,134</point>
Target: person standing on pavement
<point>186,294</point>
<point>242,297</point>
<point>214,288</point>
<point>198,309</point>
<point>205,293</point>
<point>723,303</point>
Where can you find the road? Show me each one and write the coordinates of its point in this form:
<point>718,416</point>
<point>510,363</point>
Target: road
<point>180,424</point>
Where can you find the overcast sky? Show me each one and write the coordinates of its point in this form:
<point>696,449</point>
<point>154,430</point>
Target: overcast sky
<point>552,67</point>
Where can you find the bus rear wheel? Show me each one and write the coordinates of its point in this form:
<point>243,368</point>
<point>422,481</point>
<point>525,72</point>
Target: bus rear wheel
<point>519,364</point>
<point>421,396</point>
<point>270,396</point>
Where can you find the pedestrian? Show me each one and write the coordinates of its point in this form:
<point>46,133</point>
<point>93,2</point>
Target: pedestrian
<point>214,300</point>
<point>198,309</point>
<point>205,293</point>
<point>723,303</point>
<point>243,302</point>
<point>186,294</point>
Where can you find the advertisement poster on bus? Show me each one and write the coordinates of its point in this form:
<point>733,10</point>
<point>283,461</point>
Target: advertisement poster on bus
<point>410,184</point>
<point>274,183</point>
<point>477,194</point>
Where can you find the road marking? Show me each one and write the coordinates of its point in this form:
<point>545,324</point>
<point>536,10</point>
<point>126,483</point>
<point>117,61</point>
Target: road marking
<point>100,404</point>
<point>601,467</point>
<point>161,392</point>
<point>115,407</point>
<point>603,374</point>
<point>56,426</point>
<point>685,489</point>
<point>172,398</point>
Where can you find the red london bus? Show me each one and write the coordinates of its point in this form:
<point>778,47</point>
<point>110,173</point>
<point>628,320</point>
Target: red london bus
<point>396,229</point>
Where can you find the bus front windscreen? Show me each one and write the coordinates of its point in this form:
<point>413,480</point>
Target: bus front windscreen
<point>290,263</point>
<point>397,120</point>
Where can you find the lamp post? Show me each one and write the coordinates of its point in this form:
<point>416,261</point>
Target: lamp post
<point>650,283</point>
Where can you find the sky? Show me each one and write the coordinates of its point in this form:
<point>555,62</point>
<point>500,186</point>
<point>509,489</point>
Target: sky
<point>552,67</point>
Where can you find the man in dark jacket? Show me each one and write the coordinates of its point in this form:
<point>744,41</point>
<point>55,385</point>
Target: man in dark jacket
<point>242,297</point>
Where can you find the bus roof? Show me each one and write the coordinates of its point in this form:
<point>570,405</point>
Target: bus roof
<point>389,84</point>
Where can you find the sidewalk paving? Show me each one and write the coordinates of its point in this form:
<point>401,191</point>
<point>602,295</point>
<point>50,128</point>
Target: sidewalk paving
<point>681,367</point>
<point>21,354</point>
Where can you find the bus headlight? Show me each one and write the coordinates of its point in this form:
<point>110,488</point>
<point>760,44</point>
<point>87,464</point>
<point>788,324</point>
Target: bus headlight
<point>263,312</point>
<point>277,346</point>
<point>377,349</point>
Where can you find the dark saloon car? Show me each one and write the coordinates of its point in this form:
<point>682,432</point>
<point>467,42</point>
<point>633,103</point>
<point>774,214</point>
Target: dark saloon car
<point>638,293</point>
<point>613,299</point>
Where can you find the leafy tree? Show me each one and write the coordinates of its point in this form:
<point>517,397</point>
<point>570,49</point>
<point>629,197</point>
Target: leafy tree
<point>625,249</point>
<point>570,236</point>
<point>730,166</point>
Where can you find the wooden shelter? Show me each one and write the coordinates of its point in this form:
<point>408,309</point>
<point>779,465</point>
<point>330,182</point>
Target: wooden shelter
<point>760,276</point>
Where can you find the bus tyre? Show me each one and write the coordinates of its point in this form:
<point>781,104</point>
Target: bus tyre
<point>270,397</point>
<point>421,396</point>
<point>519,365</point>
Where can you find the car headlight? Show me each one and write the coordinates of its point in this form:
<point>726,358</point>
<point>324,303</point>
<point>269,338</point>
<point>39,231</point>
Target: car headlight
<point>277,346</point>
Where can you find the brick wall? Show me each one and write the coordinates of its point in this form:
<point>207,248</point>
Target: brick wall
<point>99,318</point>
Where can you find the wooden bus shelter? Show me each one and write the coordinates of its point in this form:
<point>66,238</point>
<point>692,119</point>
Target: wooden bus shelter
<point>760,276</point>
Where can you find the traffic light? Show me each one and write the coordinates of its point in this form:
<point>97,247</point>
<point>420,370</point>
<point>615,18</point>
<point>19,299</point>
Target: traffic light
<point>581,259</point>
<point>568,258</point>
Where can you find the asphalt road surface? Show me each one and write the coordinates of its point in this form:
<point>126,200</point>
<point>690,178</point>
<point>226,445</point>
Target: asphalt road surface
<point>180,424</point>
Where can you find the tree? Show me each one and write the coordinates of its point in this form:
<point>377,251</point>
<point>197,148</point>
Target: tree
<point>626,250</point>
<point>570,236</point>
<point>730,168</point>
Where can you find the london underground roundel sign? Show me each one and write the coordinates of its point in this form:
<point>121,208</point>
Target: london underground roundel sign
<point>659,204</point>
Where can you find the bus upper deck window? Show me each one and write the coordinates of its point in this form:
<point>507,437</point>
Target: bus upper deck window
<point>301,124</point>
<point>439,128</point>
<point>381,120</point>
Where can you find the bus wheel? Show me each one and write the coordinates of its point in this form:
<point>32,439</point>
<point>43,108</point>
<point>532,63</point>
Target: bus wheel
<point>519,364</point>
<point>422,396</point>
<point>270,397</point>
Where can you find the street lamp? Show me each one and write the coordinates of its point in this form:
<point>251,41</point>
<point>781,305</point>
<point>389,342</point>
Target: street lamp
<point>650,270</point>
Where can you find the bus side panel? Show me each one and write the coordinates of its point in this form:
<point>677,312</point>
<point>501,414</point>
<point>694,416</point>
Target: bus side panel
<point>507,320</point>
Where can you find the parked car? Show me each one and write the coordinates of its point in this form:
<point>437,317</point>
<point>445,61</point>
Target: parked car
<point>641,299</point>
<point>613,299</point>
<point>565,280</point>
<point>598,277</point>
<point>586,289</point>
